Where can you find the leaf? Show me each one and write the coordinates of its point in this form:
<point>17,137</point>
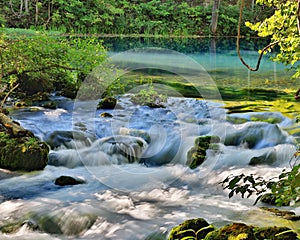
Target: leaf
<point>230,195</point>
<point>234,181</point>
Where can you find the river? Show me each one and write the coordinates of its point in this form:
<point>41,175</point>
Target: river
<point>133,163</point>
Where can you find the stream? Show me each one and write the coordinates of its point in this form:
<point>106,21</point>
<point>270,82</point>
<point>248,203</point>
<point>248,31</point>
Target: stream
<point>133,162</point>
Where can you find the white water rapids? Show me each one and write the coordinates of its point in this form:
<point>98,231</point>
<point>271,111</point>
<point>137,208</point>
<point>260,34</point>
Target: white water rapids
<point>134,167</point>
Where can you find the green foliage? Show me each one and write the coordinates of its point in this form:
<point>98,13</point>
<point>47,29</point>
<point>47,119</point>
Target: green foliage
<point>282,27</point>
<point>41,62</point>
<point>285,189</point>
<point>152,17</point>
<point>149,97</point>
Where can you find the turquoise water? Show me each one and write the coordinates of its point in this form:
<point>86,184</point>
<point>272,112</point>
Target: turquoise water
<point>219,59</point>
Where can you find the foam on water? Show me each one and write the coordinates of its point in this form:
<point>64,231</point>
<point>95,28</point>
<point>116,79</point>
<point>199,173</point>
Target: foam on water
<point>129,201</point>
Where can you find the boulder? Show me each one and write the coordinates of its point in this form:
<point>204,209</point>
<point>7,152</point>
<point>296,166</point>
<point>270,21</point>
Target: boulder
<point>107,103</point>
<point>196,155</point>
<point>193,228</point>
<point>64,138</point>
<point>22,153</point>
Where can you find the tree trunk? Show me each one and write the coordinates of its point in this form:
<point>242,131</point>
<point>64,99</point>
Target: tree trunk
<point>21,7</point>
<point>36,11</point>
<point>214,16</point>
<point>26,6</point>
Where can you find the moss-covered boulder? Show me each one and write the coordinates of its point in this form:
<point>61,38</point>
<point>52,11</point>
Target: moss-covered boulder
<point>237,231</point>
<point>107,103</point>
<point>241,231</point>
<point>22,153</point>
<point>196,229</point>
<point>196,155</point>
<point>191,229</point>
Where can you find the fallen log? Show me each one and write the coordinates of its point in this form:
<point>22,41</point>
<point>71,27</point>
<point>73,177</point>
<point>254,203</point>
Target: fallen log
<point>13,127</point>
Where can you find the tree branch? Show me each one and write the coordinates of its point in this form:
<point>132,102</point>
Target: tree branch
<point>7,95</point>
<point>238,42</point>
<point>298,16</point>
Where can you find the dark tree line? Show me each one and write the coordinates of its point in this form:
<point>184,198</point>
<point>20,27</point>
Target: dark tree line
<point>189,17</point>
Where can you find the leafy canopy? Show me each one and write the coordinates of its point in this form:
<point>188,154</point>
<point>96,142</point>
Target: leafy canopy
<point>282,27</point>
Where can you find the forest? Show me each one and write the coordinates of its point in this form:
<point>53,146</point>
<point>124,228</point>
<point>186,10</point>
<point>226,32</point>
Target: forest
<point>131,16</point>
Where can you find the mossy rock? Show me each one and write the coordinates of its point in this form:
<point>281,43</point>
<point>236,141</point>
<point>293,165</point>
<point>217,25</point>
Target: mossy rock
<point>107,103</point>
<point>236,120</point>
<point>26,153</point>
<point>274,233</point>
<point>289,215</point>
<point>196,155</point>
<point>241,231</point>
<point>234,231</point>
<point>49,105</point>
<point>106,115</point>
<point>191,229</point>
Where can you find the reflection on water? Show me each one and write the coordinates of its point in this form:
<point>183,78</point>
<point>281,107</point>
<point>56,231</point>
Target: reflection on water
<point>219,58</point>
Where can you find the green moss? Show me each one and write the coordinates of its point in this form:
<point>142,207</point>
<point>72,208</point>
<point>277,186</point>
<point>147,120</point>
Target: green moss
<point>191,229</point>
<point>236,120</point>
<point>11,227</point>
<point>107,103</point>
<point>233,231</point>
<point>272,120</point>
<point>196,155</point>
<point>26,153</point>
<point>149,97</point>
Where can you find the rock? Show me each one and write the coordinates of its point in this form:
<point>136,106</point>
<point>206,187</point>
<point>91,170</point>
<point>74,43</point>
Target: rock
<point>64,138</point>
<point>196,155</point>
<point>23,153</point>
<point>266,158</point>
<point>289,215</point>
<point>194,228</point>
<point>135,133</point>
<point>241,231</point>
<point>67,180</point>
<point>20,104</point>
<point>238,231</point>
<point>278,233</point>
<point>107,103</point>
<point>106,115</point>
<point>254,135</point>
<point>200,229</point>
<point>49,104</point>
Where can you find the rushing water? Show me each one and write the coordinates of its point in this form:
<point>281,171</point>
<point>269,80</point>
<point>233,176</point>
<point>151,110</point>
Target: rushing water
<point>134,164</point>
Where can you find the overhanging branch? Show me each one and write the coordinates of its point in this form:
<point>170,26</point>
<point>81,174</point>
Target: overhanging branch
<point>238,42</point>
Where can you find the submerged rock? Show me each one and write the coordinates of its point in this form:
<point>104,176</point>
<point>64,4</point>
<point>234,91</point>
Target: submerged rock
<point>22,153</point>
<point>109,150</point>
<point>65,138</point>
<point>254,135</point>
<point>196,155</point>
<point>67,180</point>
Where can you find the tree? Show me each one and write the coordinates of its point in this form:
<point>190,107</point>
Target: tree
<point>214,16</point>
<point>283,28</point>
